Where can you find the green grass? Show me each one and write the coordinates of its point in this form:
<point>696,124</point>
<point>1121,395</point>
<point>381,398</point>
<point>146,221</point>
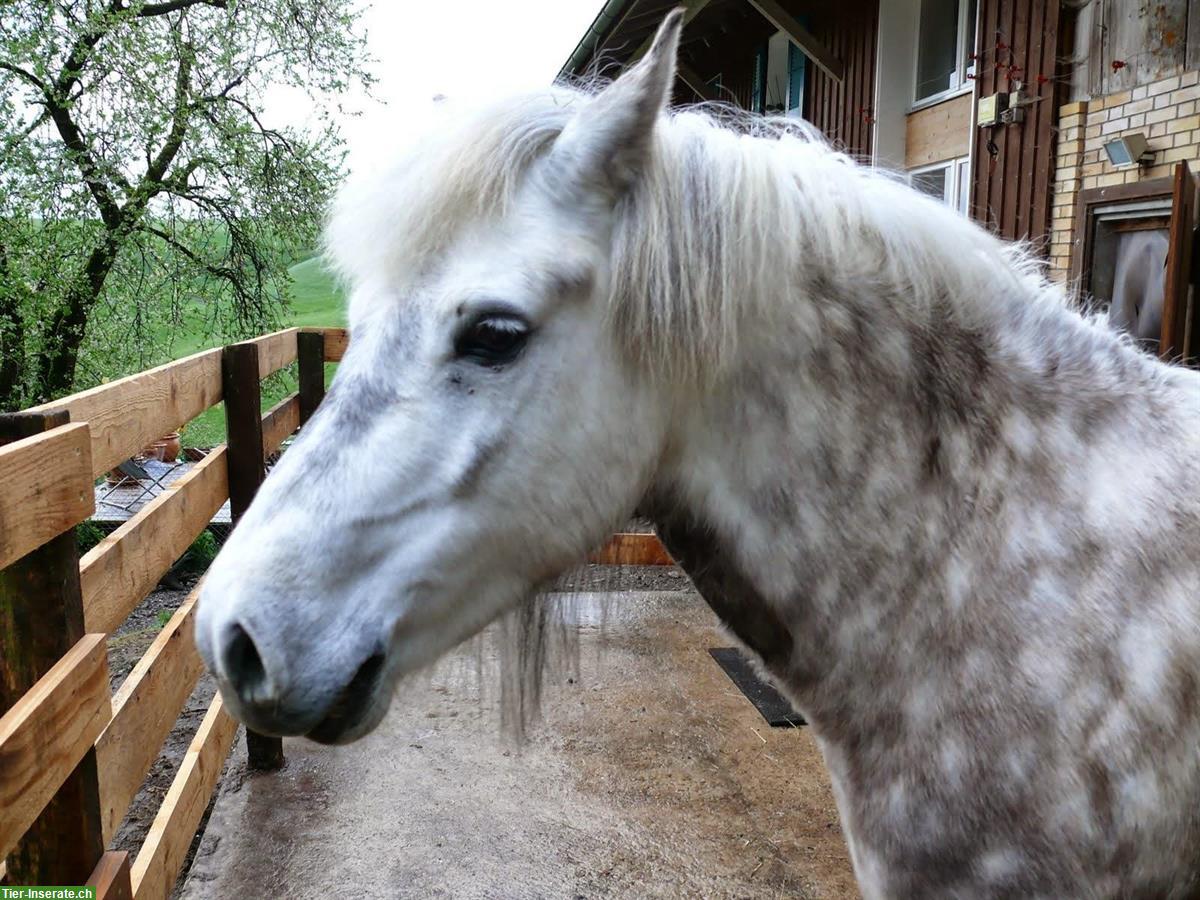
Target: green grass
<point>315,301</point>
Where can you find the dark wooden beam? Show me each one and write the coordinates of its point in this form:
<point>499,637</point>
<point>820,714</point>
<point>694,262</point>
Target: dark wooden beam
<point>696,83</point>
<point>692,8</point>
<point>310,348</point>
<point>821,55</point>
<point>247,468</point>
<point>41,618</point>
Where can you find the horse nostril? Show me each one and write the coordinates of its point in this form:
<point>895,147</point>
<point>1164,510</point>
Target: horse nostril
<point>242,664</point>
<point>364,679</point>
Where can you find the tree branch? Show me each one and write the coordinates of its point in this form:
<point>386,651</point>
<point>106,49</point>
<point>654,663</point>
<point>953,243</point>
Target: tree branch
<point>268,134</point>
<point>26,74</point>
<point>170,6</point>
<point>217,271</point>
<point>97,27</point>
<point>72,137</point>
<point>179,122</point>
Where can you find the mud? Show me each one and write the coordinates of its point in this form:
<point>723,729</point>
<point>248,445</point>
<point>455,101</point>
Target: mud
<point>649,775</point>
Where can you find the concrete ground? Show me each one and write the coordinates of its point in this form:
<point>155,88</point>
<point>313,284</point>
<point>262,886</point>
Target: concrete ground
<point>649,775</point>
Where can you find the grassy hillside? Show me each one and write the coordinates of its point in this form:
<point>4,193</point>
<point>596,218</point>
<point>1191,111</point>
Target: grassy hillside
<point>315,300</point>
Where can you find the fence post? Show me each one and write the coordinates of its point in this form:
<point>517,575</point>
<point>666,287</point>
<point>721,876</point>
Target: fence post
<point>41,618</point>
<point>111,877</point>
<point>310,349</point>
<point>244,453</point>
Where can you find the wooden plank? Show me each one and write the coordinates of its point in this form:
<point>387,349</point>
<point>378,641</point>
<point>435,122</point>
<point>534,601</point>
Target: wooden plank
<point>938,133</point>
<point>1172,342</point>
<point>1027,210</point>
<point>41,620</point>
<point>696,83</point>
<point>275,350</point>
<point>280,421</point>
<point>45,488</point>
<point>1193,36</point>
<point>118,573</point>
<point>1010,154</point>
<point>45,736</point>
<point>337,341</point>
<point>127,415</point>
<point>821,55</point>
<point>691,9</point>
<point>145,710</point>
<point>983,163</point>
<point>111,877</point>
<point>311,351</point>
<point>625,549</point>
<point>243,424</point>
<point>162,854</point>
<point>1045,114</point>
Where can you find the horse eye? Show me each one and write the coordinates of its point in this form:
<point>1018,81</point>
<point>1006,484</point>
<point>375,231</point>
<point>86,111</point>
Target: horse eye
<point>492,340</point>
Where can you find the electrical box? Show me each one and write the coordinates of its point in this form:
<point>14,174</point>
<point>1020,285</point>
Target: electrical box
<point>1015,113</point>
<point>990,110</point>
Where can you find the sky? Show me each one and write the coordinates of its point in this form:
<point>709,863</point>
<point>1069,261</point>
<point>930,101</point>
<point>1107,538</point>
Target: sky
<point>468,48</point>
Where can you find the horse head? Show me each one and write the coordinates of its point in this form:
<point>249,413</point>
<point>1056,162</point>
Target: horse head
<point>453,466</point>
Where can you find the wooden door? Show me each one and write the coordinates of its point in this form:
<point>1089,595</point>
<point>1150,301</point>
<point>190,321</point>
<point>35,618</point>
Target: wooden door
<point>1179,323</point>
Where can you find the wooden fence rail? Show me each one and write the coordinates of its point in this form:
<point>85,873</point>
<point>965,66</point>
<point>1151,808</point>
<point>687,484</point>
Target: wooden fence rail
<point>74,753</point>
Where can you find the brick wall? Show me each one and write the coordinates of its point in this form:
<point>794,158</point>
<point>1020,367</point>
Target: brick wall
<point>1165,111</point>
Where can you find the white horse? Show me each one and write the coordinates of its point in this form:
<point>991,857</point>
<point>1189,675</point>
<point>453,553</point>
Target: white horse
<point>957,522</point>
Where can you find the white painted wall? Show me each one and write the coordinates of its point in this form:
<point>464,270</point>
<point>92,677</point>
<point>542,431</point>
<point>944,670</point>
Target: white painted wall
<point>777,71</point>
<point>894,68</point>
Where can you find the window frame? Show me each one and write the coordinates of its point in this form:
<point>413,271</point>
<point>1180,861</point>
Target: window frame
<point>958,182</point>
<point>758,89</point>
<point>964,46</point>
<point>796,110</point>
<point>1176,195</point>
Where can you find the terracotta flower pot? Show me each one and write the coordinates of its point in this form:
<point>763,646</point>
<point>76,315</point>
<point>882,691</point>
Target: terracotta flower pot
<point>165,449</point>
<point>171,446</point>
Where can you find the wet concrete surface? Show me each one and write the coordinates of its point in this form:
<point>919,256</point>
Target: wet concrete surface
<point>648,775</point>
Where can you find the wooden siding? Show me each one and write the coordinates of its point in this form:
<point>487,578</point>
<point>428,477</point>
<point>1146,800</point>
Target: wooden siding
<point>1146,41</point>
<point>723,40</point>
<point>1012,178</point>
<point>939,132</point>
<point>844,110</point>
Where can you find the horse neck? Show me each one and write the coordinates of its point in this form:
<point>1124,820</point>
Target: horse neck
<point>816,496</point>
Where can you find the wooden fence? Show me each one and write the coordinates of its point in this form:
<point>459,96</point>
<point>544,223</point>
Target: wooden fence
<point>73,754</point>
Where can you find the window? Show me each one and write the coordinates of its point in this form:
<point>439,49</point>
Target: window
<point>934,182</point>
<point>945,44</point>
<point>963,173</point>
<point>1123,259</point>
<point>758,91</point>
<point>949,182</point>
<point>796,65</point>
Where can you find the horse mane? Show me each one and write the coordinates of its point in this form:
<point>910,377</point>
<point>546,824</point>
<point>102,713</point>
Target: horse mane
<point>736,215</point>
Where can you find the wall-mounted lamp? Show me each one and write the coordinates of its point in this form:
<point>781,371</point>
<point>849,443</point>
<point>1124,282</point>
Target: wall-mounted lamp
<point>1129,150</point>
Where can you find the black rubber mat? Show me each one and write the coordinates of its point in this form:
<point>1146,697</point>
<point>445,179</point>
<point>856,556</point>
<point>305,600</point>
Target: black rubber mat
<point>773,706</point>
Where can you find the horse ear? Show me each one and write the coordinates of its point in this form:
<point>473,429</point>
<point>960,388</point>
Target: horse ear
<point>607,143</point>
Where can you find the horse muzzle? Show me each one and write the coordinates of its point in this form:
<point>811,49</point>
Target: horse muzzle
<point>262,694</point>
